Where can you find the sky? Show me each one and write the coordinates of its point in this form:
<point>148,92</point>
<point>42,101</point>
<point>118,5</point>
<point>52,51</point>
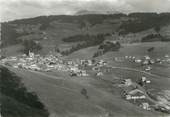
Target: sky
<point>17,9</point>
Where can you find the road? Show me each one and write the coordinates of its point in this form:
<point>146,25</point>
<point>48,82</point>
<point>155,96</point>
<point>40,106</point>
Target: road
<point>136,70</point>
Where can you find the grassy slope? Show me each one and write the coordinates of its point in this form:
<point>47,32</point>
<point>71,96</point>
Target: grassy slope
<point>137,49</point>
<point>15,100</point>
<point>9,104</point>
<point>86,53</point>
<point>62,96</point>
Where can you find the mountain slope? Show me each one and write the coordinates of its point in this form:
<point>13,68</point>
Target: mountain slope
<point>49,31</point>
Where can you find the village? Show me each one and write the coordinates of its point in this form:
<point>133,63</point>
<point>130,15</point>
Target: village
<point>134,92</point>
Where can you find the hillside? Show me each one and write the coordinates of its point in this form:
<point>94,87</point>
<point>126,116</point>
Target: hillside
<point>62,95</point>
<point>16,100</point>
<point>49,31</point>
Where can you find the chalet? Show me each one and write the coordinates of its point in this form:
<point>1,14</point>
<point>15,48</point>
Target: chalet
<point>101,63</point>
<point>83,73</point>
<point>34,67</point>
<point>78,73</point>
<point>75,69</point>
<point>147,57</point>
<point>145,62</point>
<point>166,56</point>
<point>31,54</point>
<point>143,81</point>
<point>99,74</point>
<point>119,59</point>
<point>96,68</point>
<point>138,60</point>
<point>152,61</point>
<point>15,66</point>
<point>90,63</point>
<point>126,57</point>
<point>133,57</point>
<point>148,68</point>
<point>13,58</point>
<point>135,94</point>
<point>127,82</point>
<point>145,106</point>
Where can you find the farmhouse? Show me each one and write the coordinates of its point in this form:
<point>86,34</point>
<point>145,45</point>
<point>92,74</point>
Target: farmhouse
<point>135,94</point>
<point>99,74</point>
<point>127,82</point>
<point>143,81</point>
<point>145,106</point>
<point>138,60</point>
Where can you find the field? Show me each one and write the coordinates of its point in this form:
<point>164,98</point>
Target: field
<point>62,96</point>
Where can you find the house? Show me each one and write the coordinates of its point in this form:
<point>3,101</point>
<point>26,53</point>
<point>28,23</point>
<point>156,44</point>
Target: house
<point>127,82</point>
<point>133,57</point>
<point>74,68</point>
<point>99,74</point>
<point>145,62</point>
<point>152,61</point>
<point>138,60</point>
<point>126,57</point>
<point>96,68</point>
<point>83,73</point>
<point>101,62</point>
<point>34,67</point>
<point>135,95</point>
<point>166,56</point>
<point>145,106</point>
<point>31,54</point>
<point>13,58</point>
<point>143,81</point>
<point>148,68</point>
<point>73,74</point>
<point>90,63</point>
<point>147,57</point>
<point>118,59</point>
<point>15,66</point>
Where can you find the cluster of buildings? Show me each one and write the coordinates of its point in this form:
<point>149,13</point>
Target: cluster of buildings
<point>42,63</point>
<point>52,62</point>
<point>145,61</point>
<point>133,93</point>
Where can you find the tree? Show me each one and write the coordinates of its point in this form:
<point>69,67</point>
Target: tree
<point>30,45</point>
<point>150,49</point>
<point>157,29</point>
<point>84,92</point>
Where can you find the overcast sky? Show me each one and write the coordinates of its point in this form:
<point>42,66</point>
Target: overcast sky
<point>17,9</point>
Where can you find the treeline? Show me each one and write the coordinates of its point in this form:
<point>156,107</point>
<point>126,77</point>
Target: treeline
<point>81,38</point>
<point>89,42</point>
<point>77,38</point>
<point>92,19</point>
<point>16,100</point>
<point>143,21</point>
<point>154,37</point>
<point>31,45</point>
<point>9,35</point>
<point>106,47</point>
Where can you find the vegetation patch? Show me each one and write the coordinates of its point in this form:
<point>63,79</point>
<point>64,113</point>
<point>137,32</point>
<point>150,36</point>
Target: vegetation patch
<point>88,41</point>
<point>15,100</point>
<point>144,21</point>
<point>106,47</point>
